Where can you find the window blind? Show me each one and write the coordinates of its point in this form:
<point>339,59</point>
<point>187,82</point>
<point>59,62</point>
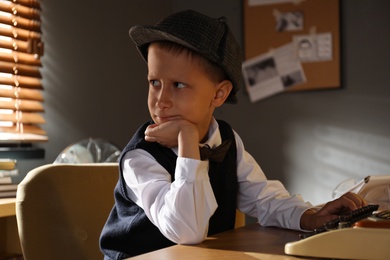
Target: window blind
<point>21,97</point>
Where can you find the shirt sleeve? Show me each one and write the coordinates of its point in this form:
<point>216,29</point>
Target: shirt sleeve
<point>266,200</point>
<point>180,209</point>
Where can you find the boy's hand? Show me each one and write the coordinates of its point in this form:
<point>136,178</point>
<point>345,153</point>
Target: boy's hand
<point>346,203</point>
<point>181,133</point>
<point>164,134</point>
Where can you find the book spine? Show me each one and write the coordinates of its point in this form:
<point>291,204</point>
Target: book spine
<point>5,180</point>
<point>8,194</point>
<point>9,173</point>
<point>7,164</point>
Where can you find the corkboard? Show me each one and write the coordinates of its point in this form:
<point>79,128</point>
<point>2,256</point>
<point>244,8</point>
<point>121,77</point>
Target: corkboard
<point>319,16</point>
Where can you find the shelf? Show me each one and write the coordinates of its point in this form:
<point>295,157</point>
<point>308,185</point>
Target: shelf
<point>22,152</point>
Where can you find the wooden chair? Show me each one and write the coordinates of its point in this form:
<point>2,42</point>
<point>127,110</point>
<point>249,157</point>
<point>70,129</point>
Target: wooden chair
<point>62,208</point>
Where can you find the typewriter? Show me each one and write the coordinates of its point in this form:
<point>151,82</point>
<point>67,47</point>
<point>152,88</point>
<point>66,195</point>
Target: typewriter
<point>360,234</point>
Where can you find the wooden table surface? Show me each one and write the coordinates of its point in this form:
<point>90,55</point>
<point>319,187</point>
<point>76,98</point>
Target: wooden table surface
<point>248,242</point>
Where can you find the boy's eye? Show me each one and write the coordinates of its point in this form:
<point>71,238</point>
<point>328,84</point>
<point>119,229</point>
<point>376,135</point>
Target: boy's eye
<point>154,83</point>
<point>180,85</point>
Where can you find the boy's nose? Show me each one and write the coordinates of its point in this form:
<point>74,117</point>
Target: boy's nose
<point>164,98</point>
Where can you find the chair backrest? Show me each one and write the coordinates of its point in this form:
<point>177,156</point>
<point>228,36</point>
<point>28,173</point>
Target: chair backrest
<point>61,210</point>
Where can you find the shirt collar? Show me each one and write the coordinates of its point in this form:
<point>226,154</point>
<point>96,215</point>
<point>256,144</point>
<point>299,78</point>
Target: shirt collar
<point>214,136</point>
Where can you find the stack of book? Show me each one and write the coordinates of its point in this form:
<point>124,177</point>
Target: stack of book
<point>8,170</point>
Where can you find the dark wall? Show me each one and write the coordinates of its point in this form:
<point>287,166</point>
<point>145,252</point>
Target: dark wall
<point>95,86</point>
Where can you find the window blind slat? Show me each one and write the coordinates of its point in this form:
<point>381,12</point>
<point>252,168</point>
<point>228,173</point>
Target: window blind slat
<point>22,93</point>
<point>20,9</point>
<point>21,81</point>
<point>20,57</point>
<point>30,3</point>
<point>19,22</point>
<point>21,104</point>
<point>18,33</point>
<point>25,118</point>
<point>19,69</point>
<point>13,44</point>
<point>27,128</point>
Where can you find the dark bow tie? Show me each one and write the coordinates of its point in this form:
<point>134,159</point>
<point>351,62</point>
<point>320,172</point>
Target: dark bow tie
<point>216,154</point>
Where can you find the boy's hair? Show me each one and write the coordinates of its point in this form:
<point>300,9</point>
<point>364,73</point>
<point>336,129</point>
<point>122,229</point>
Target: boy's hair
<point>206,36</point>
<point>213,71</point>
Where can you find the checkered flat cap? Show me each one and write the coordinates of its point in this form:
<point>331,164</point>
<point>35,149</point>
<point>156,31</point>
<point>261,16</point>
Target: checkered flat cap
<point>206,36</point>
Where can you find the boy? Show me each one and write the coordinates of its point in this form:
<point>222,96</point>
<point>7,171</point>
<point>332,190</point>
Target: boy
<point>168,191</point>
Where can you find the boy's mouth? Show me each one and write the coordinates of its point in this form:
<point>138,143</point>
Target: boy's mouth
<point>166,118</point>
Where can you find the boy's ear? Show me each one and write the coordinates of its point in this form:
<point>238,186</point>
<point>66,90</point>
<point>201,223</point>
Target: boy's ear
<point>222,91</point>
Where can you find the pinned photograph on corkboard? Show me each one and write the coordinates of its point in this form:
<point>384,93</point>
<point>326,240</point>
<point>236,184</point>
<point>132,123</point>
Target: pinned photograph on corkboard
<point>290,45</point>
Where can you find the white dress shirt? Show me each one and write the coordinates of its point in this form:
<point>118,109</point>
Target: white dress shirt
<point>182,209</point>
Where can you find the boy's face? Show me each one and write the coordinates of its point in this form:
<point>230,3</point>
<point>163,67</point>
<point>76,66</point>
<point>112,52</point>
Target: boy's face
<point>179,88</point>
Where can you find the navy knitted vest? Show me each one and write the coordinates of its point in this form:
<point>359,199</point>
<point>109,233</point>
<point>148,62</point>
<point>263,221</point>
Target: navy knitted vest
<point>128,231</point>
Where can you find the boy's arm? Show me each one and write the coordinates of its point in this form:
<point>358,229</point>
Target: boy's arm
<point>180,209</point>
<point>266,200</point>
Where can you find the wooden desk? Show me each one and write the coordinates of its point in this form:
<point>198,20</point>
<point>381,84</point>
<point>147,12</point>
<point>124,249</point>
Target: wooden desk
<point>248,242</point>
<point>9,238</point>
<point>7,207</point>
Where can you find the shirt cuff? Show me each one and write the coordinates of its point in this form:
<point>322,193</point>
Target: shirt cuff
<point>298,213</point>
<point>191,169</point>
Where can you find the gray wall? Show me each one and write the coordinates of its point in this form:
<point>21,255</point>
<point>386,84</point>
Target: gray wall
<point>95,86</point>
